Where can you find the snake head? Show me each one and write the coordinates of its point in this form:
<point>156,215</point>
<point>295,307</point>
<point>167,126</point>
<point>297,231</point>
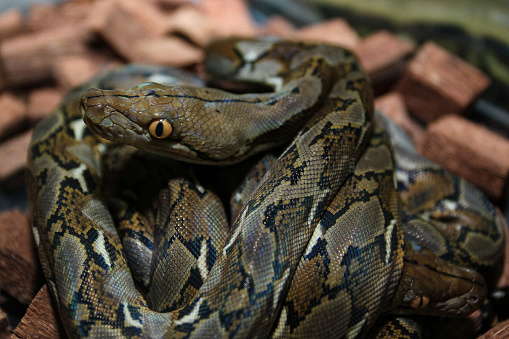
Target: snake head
<point>176,121</point>
<point>432,286</point>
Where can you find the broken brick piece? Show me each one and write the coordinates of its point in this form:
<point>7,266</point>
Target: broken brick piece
<point>13,153</point>
<point>43,16</point>
<point>74,70</point>
<point>193,24</point>
<point>11,23</point>
<point>228,17</point>
<point>393,106</point>
<point>42,101</point>
<point>12,115</point>
<point>20,273</point>
<point>437,82</point>
<point>41,319</point>
<point>335,32</point>
<point>28,58</point>
<point>161,51</point>
<point>279,26</point>
<point>383,55</point>
<point>469,150</point>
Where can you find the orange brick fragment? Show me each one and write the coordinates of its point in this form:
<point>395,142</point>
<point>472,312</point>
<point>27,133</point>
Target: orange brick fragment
<point>469,150</point>
<point>20,273</point>
<point>12,115</point>
<point>192,23</point>
<point>279,26</point>
<point>74,70</point>
<point>229,17</point>
<point>437,83</point>
<point>28,59</point>
<point>41,319</point>
<point>42,16</point>
<point>393,106</point>
<point>42,101</point>
<point>11,23</point>
<point>335,32</point>
<point>383,55</point>
<point>169,51</point>
<point>13,153</point>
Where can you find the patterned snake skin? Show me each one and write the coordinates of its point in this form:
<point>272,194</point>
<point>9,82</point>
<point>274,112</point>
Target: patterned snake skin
<point>333,218</point>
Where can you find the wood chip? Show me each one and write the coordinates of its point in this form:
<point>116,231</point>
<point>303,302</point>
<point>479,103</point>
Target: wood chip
<point>13,153</point>
<point>469,150</point>
<point>41,319</point>
<point>335,32</point>
<point>161,51</point>
<point>42,101</point>
<point>436,83</point>
<point>393,106</point>
<point>29,58</point>
<point>20,273</point>
<point>13,115</point>
<point>383,56</point>
<point>11,23</point>
<point>229,17</point>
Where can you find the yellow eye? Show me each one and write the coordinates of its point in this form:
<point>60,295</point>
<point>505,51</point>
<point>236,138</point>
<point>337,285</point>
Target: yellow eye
<point>160,129</point>
<point>419,302</point>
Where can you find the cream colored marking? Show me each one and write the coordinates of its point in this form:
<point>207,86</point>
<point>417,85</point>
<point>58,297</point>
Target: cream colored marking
<point>252,50</point>
<point>278,287</point>
<point>35,231</point>
<point>276,83</point>
<point>200,188</point>
<point>354,331</point>
<point>237,232</point>
<point>129,320</point>
<point>202,260</point>
<point>450,205</point>
<point>395,180</point>
<point>403,177</point>
<point>388,235</point>
<point>78,126</point>
<point>100,248</point>
<point>78,173</point>
<point>192,316</point>
<point>162,79</point>
<point>317,201</point>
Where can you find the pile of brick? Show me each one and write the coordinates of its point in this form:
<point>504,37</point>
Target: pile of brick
<point>56,48</point>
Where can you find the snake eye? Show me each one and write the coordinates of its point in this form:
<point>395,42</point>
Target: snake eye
<point>418,303</point>
<point>160,129</point>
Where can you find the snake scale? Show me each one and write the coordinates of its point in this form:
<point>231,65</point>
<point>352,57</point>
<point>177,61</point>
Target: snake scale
<point>333,218</point>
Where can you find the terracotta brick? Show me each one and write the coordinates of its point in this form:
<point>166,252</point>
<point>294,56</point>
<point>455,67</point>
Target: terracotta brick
<point>383,55</point>
<point>469,150</point>
<point>42,101</point>
<point>335,32</point>
<point>11,23</point>
<point>41,319</point>
<point>13,153</point>
<point>192,23</point>
<point>29,58</point>
<point>12,115</point>
<point>74,70</point>
<point>279,26</point>
<point>43,16</point>
<point>437,83</point>
<point>20,273</point>
<point>161,51</point>
<point>229,17</point>
<point>393,106</point>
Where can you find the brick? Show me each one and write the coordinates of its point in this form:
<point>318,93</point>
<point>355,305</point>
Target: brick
<point>335,32</point>
<point>12,115</point>
<point>393,106</point>
<point>279,26</point>
<point>74,70</point>
<point>161,51</point>
<point>5,328</point>
<point>41,319</point>
<point>42,101</point>
<point>43,16</point>
<point>437,83</point>
<point>469,150</point>
<point>383,55</point>
<point>228,17</point>
<point>20,272</point>
<point>192,23</point>
<point>28,59</point>
<point>13,153</point>
<point>11,23</point>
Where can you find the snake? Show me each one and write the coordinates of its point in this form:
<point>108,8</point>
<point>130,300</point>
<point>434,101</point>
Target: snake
<point>172,209</point>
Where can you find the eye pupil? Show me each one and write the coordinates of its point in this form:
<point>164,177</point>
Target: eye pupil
<point>159,128</point>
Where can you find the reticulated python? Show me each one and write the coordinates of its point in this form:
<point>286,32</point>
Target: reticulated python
<point>324,237</point>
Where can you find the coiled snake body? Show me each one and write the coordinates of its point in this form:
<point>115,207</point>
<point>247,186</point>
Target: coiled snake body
<point>323,239</point>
